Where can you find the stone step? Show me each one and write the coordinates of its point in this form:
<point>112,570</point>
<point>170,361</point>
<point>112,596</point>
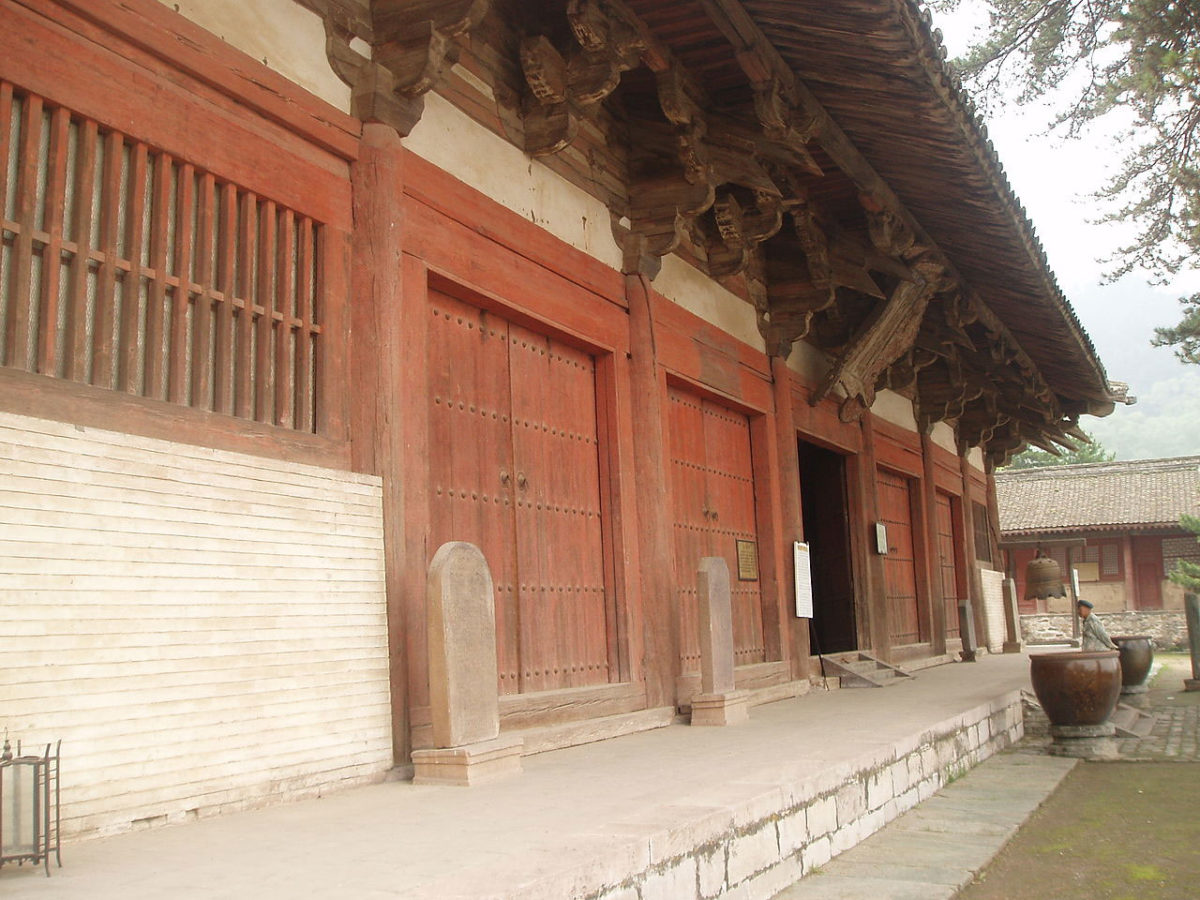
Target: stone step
<point>1131,721</point>
<point>863,670</point>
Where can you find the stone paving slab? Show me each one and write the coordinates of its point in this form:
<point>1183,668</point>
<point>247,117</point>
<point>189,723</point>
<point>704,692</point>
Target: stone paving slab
<point>912,859</point>
<point>842,887</point>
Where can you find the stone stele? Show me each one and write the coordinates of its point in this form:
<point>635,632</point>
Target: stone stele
<point>717,703</point>
<point>464,698</point>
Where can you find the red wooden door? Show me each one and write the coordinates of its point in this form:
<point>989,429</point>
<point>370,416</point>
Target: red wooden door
<point>515,468</point>
<point>948,547</point>
<point>1149,585</point>
<point>899,565</point>
<point>712,492</point>
<point>1149,571</point>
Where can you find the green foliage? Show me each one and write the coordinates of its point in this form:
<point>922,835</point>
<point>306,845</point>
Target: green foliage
<point>1188,573</point>
<point>1184,337</point>
<point>1030,458</point>
<point>1140,57</point>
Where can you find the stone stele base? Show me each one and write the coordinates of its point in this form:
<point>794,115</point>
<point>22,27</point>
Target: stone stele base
<point>720,709</point>
<point>469,764</point>
<point>1084,741</point>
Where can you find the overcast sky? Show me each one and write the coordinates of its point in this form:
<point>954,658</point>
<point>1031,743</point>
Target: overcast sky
<point>1053,176</point>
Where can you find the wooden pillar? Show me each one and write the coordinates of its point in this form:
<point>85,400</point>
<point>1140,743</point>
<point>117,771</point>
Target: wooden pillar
<point>878,617</point>
<point>993,506</point>
<point>377,178</point>
<point>937,599</point>
<point>1130,572</point>
<point>970,623</point>
<point>660,609</point>
<point>793,522</point>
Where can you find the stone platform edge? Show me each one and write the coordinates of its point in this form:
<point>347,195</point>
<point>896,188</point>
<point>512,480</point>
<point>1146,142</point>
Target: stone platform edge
<point>748,840</point>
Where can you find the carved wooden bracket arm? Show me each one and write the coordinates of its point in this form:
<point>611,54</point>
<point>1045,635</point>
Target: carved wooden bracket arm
<point>887,334</point>
<point>565,84</point>
<point>402,55</point>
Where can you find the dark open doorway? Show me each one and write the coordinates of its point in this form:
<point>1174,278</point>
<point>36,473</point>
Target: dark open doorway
<point>827,531</point>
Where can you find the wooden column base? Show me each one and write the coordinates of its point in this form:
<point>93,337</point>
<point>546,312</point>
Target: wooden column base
<point>469,764</point>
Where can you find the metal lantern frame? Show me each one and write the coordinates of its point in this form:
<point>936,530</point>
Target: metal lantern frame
<point>29,806</point>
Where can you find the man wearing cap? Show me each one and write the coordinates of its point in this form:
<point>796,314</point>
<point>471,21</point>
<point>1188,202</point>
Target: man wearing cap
<point>1094,635</point>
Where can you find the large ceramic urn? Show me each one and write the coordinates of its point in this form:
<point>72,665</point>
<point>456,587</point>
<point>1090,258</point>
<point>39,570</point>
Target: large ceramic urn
<point>1076,688</point>
<point>1137,655</point>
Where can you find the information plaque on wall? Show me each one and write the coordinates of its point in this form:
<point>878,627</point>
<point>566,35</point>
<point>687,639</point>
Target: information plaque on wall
<point>804,597</point>
<point>747,560</point>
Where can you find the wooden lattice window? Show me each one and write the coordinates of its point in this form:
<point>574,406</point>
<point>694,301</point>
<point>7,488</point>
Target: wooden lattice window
<point>1106,556</point>
<point>125,268</point>
<point>1179,549</point>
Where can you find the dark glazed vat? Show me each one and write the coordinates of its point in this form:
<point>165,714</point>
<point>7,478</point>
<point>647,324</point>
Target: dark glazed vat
<point>1137,654</point>
<point>1076,688</point>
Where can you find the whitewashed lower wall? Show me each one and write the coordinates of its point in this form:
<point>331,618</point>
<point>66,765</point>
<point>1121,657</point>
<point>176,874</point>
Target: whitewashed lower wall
<point>203,630</point>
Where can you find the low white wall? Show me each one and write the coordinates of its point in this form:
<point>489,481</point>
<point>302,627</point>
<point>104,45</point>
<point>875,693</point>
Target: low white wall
<point>757,849</point>
<point>1167,628</point>
<point>203,630</point>
<point>993,610</point>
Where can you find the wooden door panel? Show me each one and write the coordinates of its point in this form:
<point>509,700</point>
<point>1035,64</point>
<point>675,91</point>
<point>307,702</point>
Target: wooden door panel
<point>689,495</point>
<point>899,565</point>
<point>563,601</point>
<point>1149,585</point>
<point>712,486</point>
<point>947,555</point>
<point>470,458</point>
<point>731,479</point>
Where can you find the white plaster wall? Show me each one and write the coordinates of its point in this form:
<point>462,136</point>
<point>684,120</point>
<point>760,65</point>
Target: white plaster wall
<point>696,292</point>
<point>894,408</point>
<point>454,142</point>
<point>944,436</point>
<point>281,34</point>
<point>203,630</point>
<point>808,362</point>
<point>1106,596</point>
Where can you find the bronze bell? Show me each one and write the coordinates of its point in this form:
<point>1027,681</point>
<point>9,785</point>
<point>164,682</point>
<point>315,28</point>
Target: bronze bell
<point>1043,578</point>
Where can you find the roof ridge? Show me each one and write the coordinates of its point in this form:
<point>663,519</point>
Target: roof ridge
<point>1131,465</point>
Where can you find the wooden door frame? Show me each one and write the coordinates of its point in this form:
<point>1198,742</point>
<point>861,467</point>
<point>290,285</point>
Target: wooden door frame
<point>440,268</point>
<point>918,530</point>
<point>768,524</point>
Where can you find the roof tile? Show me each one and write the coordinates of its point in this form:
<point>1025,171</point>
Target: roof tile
<point>1143,493</point>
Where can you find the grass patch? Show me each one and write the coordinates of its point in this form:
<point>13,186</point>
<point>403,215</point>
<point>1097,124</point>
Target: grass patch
<point>1111,831</point>
<point>1138,872</point>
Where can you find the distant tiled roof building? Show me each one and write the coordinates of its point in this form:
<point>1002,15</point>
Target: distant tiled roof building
<point>1117,523</point>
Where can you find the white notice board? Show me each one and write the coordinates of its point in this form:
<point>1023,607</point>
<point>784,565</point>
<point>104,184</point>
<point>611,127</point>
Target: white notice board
<point>804,599</point>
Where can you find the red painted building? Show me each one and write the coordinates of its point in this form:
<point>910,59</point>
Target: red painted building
<point>601,287</point>
<point>1117,524</point>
